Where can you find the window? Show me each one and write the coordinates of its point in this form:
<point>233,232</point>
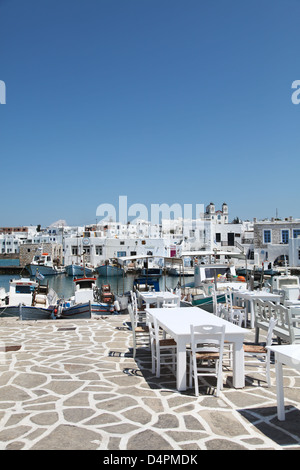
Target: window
<point>121,253</point>
<point>74,250</point>
<point>296,233</point>
<point>99,250</point>
<point>218,237</point>
<point>285,236</point>
<point>267,236</point>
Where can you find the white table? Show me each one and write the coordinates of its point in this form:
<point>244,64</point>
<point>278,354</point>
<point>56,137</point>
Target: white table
<point>250,296</point>
<point>176,322</point>
<point>153,296</point>
<point>290,356</point>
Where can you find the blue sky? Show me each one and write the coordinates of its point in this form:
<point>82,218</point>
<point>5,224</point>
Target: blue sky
<point>164,101</point>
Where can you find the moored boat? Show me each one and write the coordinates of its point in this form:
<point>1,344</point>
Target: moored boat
<point>78,270</point>
<point>87,291</point>
<point>28,293</point>
<point>77,311</point>
<point>43,264</point>
<point>109,269</point>
<point>209,277</point>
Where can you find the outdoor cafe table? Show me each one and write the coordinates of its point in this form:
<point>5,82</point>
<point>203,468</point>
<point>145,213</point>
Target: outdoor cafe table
<point>153,296</point>
<point>176,322</point>
<point>290,356</point>
<point>250,296</point>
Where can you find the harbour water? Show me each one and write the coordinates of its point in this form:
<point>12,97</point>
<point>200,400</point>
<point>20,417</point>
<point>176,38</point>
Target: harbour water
<point>64,285</point>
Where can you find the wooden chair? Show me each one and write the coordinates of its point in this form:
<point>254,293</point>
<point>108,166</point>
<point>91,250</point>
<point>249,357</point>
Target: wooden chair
<point>206,354</point>
<point>163,351</point>
<point>139,314</point>
<point>260,351</point>
<point>234,313</point>
<point>140,332</point>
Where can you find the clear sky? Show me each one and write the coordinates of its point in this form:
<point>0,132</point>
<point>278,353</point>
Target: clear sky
<point>164,101</point>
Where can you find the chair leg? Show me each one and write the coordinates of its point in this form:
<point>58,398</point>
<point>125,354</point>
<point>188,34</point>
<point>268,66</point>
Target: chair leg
<point>268,369</point>
<point>195,376</point>
<point>219,379</point>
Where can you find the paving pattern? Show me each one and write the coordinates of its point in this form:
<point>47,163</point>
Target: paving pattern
<point>68,384</point>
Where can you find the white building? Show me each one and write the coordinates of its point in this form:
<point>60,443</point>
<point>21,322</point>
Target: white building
<point>99,249</point>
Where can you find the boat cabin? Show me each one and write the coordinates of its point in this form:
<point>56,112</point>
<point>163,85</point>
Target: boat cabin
<point>210,272</point>
<point>21,291</point>
<point>42,259</point>
<point>288,284</point>
<point>84,289</point>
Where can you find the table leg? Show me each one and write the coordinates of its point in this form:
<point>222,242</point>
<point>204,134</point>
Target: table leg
<point>238,364</point>
<point>181,365</point>
<point>279,390</point>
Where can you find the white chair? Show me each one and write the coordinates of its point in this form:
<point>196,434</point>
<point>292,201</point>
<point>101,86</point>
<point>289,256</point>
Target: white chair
<point>140,333</point>
<point>206,354</point>
<point>140,315</point>
<point>260,351</point>
<point>233,313</point>
<point>217,307</point>
<point>170,303</point>
<point>163,351</point>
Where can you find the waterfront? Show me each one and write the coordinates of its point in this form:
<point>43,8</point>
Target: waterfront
<point>64,285</point>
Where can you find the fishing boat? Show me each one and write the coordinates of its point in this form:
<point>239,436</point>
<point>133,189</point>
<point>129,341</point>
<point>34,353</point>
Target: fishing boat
<point>43,264</point>
<point>87,291</point>
<point>286,284</point>
<point>79,270</point>
<point>37,300</point>
<point>110,268</point>
<point>210,277</point>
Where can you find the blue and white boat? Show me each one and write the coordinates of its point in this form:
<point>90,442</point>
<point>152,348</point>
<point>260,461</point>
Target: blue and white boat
<point>28,299</point>
<point>78,270</point>
<point>43,264</point>
<point>71,312</point>
<point>109,269</point>
<point>87,291</point>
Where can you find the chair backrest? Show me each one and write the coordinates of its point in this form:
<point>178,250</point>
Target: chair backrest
<point>134,302</point>
<point>228,299</point>
<point>132,316</point>
<point>207,338</point>
<point>153,329</point>
<point>169,304</point>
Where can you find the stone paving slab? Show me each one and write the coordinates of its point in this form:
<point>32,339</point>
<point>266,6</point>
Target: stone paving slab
<point>74,385</point>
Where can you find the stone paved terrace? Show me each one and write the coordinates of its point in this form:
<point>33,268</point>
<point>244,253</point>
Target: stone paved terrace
<point>74,385</point>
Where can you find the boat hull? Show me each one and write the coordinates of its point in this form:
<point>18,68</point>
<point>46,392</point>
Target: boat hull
<point>33,269</point>
<point>108,271</point>
<point>77,270</point>
<point>10,311</point>
<point>80,311</point>
<point>99,309</point>
<point>35,313</point>
<point>207,302</point>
